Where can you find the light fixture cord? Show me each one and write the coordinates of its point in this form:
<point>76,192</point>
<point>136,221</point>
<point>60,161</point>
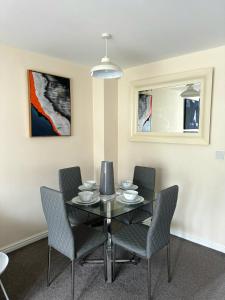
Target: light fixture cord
<point>106,47</point>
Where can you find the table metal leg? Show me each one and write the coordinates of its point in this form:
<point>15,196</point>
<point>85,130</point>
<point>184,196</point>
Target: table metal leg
<point>109,262</point>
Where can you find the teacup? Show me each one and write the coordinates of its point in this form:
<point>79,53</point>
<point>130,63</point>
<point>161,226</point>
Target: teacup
<point>126,184</point>
<point>86,196</point>
<point>130,195</point>
<point>89,184</point>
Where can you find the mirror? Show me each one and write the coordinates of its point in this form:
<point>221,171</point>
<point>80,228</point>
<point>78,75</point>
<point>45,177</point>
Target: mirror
<point>169,109</point>
<point>173,108</point>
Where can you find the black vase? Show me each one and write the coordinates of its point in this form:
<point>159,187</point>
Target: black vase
<point>107,178</point>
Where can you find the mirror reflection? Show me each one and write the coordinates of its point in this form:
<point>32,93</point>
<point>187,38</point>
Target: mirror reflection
<point>169,109</point>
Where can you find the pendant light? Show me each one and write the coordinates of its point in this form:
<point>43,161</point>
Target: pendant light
<point>106,69</point>
<point>190,91</point>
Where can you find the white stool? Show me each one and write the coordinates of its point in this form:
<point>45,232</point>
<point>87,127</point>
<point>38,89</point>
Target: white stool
<point>4,260</point>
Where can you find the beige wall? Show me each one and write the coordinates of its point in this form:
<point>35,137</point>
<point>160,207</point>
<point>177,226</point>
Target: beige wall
<point>27,163</point>
<point>105,124</point>
<point>98,125</point>
<point>201,178</point>
<point>111,123</point>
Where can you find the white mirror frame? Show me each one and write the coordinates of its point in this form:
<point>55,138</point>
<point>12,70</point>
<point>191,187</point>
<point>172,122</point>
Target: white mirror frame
<point>204,76</point>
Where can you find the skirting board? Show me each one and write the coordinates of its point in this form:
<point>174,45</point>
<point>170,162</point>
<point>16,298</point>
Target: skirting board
<point>24,242</point>
<point>44,234</point>
<point>197,240</point>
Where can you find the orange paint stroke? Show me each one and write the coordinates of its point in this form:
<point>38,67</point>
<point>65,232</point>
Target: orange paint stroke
<point>34,100</point>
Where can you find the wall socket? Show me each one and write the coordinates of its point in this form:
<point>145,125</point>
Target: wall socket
<point>220,154</point>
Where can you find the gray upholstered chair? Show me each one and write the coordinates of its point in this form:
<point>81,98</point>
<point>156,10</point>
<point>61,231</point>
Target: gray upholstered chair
<point>69,182</point>
<point>144,178</point>
<point>4,260</point>
<point>74,243</point>
<point>145,241</point>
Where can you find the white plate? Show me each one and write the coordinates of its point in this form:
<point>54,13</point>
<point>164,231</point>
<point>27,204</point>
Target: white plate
<point>84,188</point>
<point>121,199</point>
<point>132,187</point>
<point>77,200</point>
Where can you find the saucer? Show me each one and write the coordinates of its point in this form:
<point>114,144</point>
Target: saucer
<point>84,188</point>
<point>132,187</point>
<point>78,201</point>
<point>123,200</point>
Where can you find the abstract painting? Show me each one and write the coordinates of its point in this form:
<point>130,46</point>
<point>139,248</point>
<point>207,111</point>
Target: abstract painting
<point>50,104</point>
<point>144,112</point>
<point>191,115</point>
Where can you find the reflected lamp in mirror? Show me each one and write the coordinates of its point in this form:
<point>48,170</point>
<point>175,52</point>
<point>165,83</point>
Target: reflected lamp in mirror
<point>173,108</point>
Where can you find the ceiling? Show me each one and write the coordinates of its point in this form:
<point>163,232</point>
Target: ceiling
<point>143,30</point>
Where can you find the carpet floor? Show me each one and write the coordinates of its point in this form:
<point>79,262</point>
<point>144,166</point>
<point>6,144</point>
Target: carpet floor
<point>197,273</point>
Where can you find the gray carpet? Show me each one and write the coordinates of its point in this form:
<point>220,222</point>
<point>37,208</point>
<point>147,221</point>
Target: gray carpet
<point>198,273</point>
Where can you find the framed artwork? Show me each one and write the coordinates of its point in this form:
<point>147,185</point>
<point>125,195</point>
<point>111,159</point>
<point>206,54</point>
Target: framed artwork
<point>144,112</point>
<point>191,114</point>
<point>50,104</point>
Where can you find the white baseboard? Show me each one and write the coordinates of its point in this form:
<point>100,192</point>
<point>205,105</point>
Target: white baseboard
<point>24,242</point>
<point>197,240</point>
<point>44,234</point>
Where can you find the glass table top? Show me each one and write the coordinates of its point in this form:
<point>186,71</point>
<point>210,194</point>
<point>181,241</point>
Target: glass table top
<point>112,208</point>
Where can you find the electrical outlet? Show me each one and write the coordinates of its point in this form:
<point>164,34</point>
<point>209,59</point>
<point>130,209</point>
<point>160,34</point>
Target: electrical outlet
<point>220,154</point>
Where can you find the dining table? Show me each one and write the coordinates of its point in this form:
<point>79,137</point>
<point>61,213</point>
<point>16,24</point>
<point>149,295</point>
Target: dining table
<point>109,208</point>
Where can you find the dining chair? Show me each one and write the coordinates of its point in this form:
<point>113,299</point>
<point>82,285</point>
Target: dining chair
<point>144,178</point>
<point>145,241</point>
<point>75,243</point>
<point>4,260</point>
<point>69,182</point>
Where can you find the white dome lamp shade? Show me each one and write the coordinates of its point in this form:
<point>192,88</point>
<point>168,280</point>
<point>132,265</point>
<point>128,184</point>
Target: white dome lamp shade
<point>190,91</point>
<point>106,69</point>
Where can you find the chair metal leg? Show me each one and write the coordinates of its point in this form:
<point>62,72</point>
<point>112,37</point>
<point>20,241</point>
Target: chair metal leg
<point>105,262</point>
<point>114,261</point>
<point>72,278</point>
<point>149,279</point>
<point>168,263</point>
<point>49,265</point>
<point>3,289</point>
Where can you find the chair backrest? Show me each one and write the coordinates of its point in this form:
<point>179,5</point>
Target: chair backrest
<point>69,181</point>
<point>144,177</point>
<point>4,260</point>
<point>159,231</point>
<point>60,234</point>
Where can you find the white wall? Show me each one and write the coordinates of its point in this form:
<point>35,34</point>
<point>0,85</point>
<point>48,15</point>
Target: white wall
<point>201,178</point>
<point>28,163</point>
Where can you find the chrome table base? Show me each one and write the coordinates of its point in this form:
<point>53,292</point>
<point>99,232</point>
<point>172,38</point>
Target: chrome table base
<point>109,254</point>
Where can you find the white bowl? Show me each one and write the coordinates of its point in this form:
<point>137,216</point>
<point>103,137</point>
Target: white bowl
<point>126,184</point>
<point>130,195</point>
<point>89,184</point>
<point>86,196</point>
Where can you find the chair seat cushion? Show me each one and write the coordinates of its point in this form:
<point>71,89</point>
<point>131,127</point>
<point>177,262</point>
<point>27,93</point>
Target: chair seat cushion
<point>132,238</point>
<point>76,216</point>
<point>125,218</point>
<point>87,239</point>
<point>140,215</point>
